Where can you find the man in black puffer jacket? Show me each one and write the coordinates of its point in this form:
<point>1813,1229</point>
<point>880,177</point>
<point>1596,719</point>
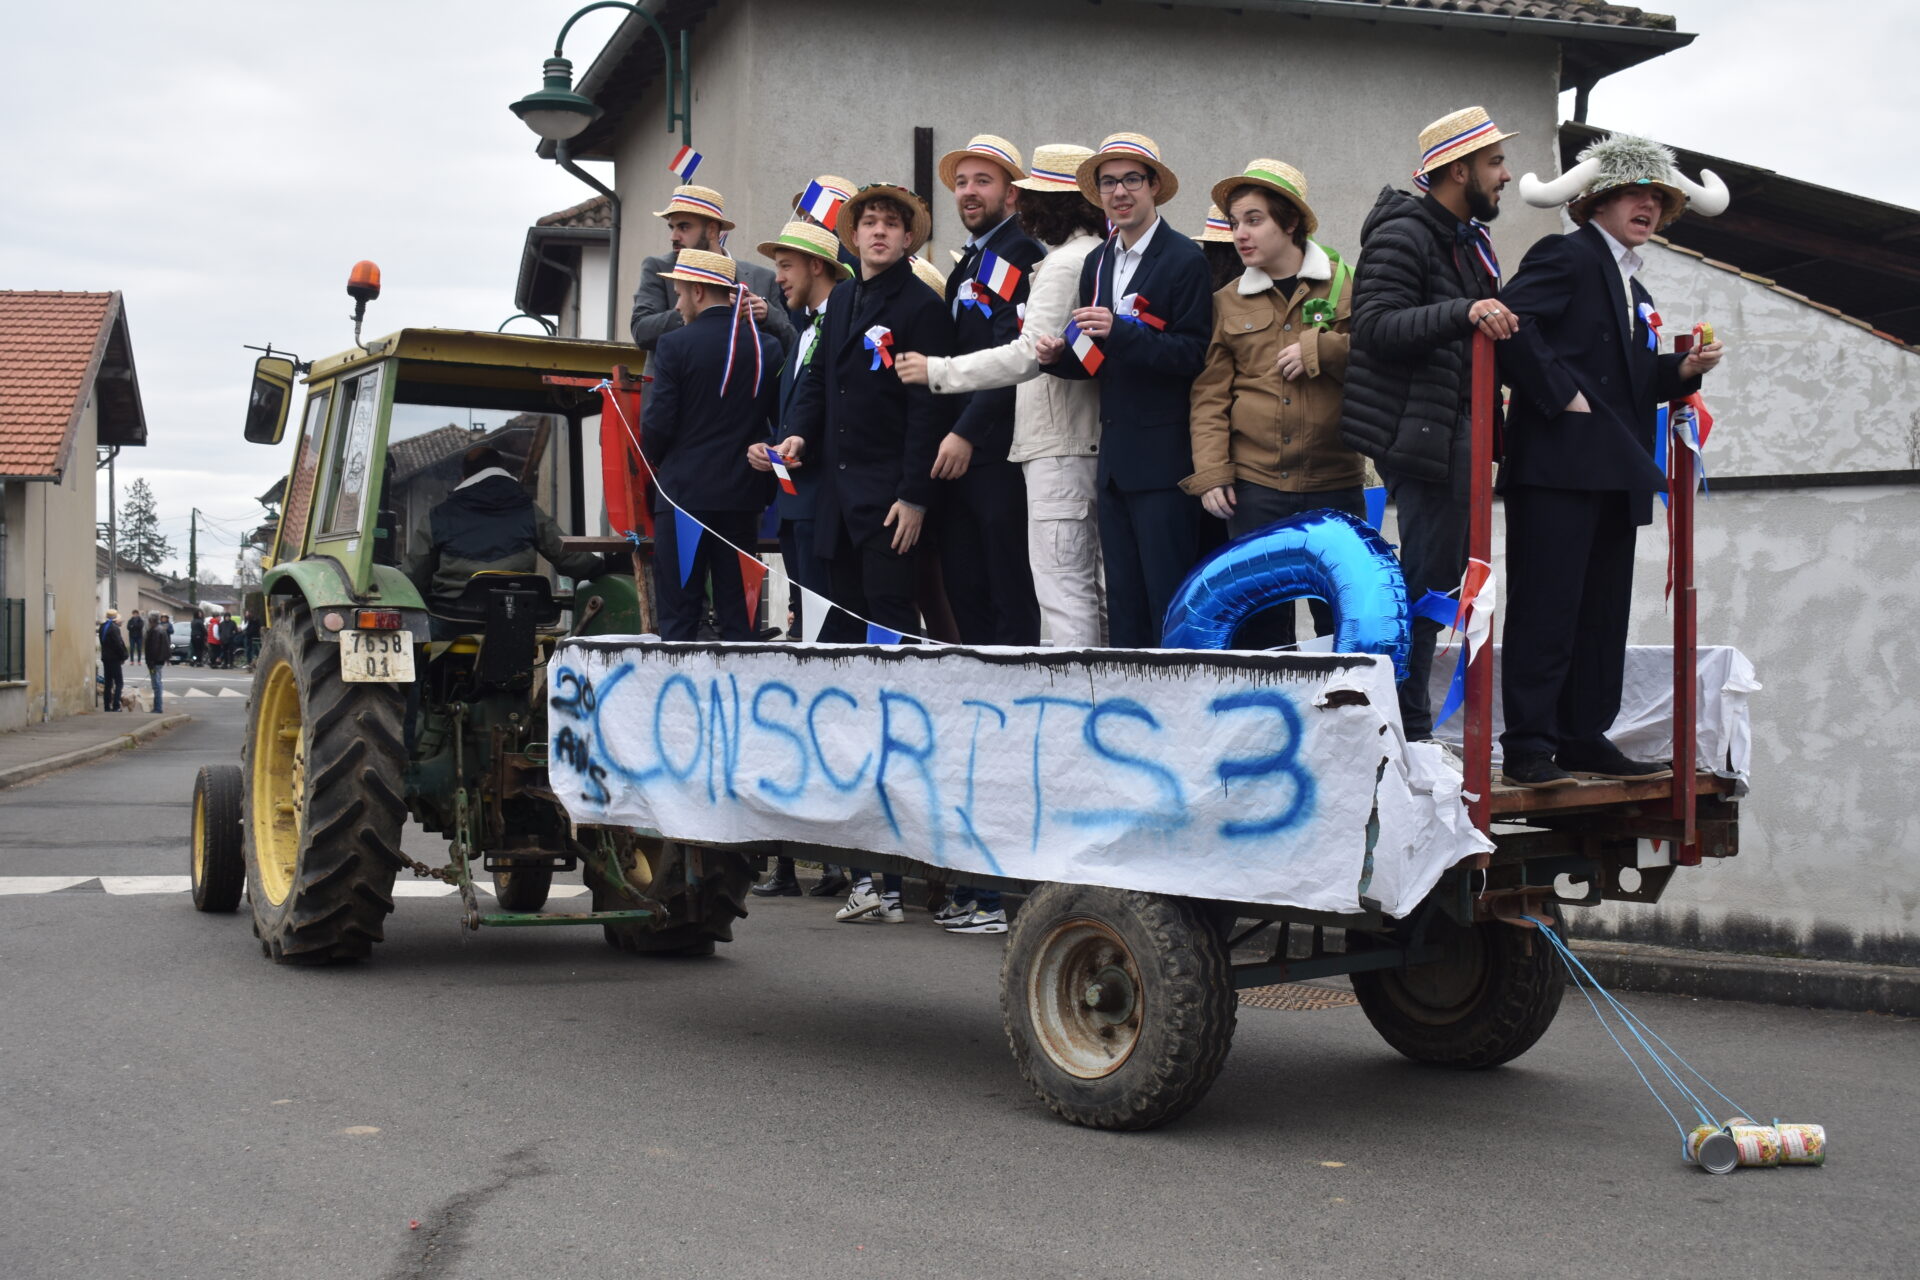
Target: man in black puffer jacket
<point>1427,278</point>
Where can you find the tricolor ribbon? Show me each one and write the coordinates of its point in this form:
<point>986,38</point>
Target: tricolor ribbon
<point>879,340</point>
<point>973,295</point>
<point>733,342</point>
<point>1651,318</point>
<point>1483,245</point>
<point>1471,613</point>
<point>1133,309</point>
<point>1020,317</point>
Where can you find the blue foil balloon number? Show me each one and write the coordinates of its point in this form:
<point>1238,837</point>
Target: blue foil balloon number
<point>1326,554</point>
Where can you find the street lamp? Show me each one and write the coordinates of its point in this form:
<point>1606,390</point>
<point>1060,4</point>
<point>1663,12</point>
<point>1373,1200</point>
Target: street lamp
<point>558,114</point>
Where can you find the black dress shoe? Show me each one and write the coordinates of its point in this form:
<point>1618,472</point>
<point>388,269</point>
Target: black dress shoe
<point>1602,759</point>
<point>831,886</point>
<point>1538,773</point>
<point>776,888</point>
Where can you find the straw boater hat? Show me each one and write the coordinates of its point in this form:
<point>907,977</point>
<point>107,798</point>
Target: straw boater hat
<point>850,214</point>
<point>808,238</point>
<point>1118,146</point>
<point>1219,230</point>
<point>985,146</point>
<point>701,202</point>
<point>1276,176</point>
<point>1624,160</point>
<point>1055,166</point>
<point>697,266</point>
<point>929,275</point>
<point>1454,137</point>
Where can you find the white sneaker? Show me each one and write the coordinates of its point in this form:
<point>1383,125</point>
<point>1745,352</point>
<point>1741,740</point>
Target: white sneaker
<point>981,922</point>
<point>861,903</point>
<point>953,913</point>
<point>1449,755</point>
<point>889,912</point>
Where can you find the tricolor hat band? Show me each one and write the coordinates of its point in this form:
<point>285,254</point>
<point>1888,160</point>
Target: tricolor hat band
<point>1133,147</point>
<point>1218,224</point>
<point>988,148</point>
<point>836,191</point>
<point>698,203</point>
<point>1051,176</point>
<point>1458,139</point>
<point>713,277</point>
<point>1274,178</point>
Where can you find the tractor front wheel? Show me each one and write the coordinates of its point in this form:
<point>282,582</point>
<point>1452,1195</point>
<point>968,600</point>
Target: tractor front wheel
<point>323,809</point>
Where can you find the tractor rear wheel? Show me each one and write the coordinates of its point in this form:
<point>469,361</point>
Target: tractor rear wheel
<point>698,917</point>
<point>219,843</point>
<point>323,809</point>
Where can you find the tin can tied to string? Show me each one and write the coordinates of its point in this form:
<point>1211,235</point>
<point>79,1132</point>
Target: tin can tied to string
<point>1802,1143</point>
<point>1711,1149</point>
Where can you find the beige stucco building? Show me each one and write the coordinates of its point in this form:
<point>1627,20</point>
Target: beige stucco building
<point>67,389</point>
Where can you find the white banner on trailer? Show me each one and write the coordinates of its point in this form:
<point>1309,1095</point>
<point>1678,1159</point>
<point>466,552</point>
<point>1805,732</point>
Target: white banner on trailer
<point>1248,778</point>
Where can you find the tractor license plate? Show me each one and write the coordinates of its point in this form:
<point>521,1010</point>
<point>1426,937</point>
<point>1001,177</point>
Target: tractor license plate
<point>376,657</point>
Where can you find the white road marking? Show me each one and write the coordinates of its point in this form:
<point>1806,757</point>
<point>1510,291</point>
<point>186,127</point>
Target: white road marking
<point>228,691</point>
<point>126,886</point>
<point>146,884</point>
<point>39,884</point>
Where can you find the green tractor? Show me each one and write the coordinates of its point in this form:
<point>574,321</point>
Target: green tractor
<point>359,720</point>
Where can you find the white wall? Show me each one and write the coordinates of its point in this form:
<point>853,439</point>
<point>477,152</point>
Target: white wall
<point>787,89</point>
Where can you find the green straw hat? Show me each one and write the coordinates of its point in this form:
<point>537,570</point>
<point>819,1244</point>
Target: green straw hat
<point>808,238</point>
<point>1276,176</point>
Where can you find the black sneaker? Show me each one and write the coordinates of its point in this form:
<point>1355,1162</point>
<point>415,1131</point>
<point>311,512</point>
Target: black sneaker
<point>1538,773</point>
<point>830,886</point>
<point>1601,759</point>
<point>776,888</point>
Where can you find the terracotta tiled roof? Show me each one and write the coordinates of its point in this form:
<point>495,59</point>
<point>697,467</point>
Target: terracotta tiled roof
<point>1606,15</point>
<point>597,212</point>
<point>51,346</point>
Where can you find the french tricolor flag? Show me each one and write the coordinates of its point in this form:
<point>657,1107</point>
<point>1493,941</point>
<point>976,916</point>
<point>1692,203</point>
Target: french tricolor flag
<point>999,275</point>
<point>684,162</point>
<point>1084,349</point>
<point>780,469</point>
<point>822,204</point>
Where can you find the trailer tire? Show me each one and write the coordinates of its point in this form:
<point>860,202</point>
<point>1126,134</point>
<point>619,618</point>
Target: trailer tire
<point>323,811</point>
<point>1118,1006</point>
<point>523,889</point>
<point>697,919</point>
<point>1486,1002</point>
<point>219,843</point>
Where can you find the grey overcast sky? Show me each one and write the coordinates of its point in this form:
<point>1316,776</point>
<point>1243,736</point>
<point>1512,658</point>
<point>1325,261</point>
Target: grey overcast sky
<point>223,164</point>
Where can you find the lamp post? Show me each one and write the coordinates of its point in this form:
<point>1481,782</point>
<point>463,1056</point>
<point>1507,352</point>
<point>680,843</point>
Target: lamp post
<point>558,114</point>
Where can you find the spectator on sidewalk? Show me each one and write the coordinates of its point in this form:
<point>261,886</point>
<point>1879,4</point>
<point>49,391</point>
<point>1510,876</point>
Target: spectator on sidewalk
<point>159,652</point>
<point>213,640</point>
<point>197,638</point>
<point>136,629</point>
<point>113,655</point>
<point>251,636</point>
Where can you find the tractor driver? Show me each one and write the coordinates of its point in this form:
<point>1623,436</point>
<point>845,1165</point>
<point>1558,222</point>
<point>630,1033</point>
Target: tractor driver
<point>488,522</point>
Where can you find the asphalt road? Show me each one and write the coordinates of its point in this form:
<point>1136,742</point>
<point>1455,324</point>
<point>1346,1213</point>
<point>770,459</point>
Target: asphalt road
<point>819,1100</point>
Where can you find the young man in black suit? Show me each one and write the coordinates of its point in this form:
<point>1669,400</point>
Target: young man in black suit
<point>1580,474</point>
<point>714,393</point>
<point>1146,302</point>
<point>871,438</point>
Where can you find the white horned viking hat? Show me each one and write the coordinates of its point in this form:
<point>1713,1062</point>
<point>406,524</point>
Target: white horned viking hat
<point>1624,160</point>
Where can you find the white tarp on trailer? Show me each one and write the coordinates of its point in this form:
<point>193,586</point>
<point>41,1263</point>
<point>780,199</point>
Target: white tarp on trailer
<point>1243,777</point>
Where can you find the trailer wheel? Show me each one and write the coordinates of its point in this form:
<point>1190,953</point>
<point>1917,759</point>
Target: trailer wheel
<point>323,812</point>
<point>523,888</point>
<point>219,843</point>
<point>1487,1000</point>
<point>1119,1006</point>
<point>697,918</point>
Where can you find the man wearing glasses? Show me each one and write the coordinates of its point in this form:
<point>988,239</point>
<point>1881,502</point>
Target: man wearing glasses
<point>1145,316</point>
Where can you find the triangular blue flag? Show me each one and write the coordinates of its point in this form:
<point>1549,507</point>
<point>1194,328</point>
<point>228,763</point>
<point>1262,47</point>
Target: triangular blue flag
<point>877,634</point>
<point>686,532</point>
<point>1376,506</point>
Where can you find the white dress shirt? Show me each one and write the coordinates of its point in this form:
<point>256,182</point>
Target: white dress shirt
<point>1628,263</point>
<point>1128,260</point>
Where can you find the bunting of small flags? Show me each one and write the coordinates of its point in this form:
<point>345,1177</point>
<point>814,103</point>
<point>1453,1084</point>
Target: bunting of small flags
<point>1376,499</point>
<point>999,275</point>
<point>1084,349</point>
<point>814,608</point>
<point>753,576</point>
<point>822,204</point>
<point>686,532</point>
<point>877,634</point>
<point>684,162</point>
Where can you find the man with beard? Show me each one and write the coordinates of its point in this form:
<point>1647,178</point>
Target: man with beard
<point>1425,285</point>
<point>696,218</point>
<point>983,531</point>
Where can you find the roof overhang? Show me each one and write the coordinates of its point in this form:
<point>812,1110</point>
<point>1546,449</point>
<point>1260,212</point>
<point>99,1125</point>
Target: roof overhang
<point>549,262</point>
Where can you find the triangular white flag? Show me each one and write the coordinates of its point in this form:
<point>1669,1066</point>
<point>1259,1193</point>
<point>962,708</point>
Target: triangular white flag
<point>813,614</point>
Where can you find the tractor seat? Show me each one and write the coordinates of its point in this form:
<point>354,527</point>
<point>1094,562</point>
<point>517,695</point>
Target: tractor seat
<point>498,593</point>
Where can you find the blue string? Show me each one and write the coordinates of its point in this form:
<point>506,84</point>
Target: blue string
<point>1576,968</point>
<point>1578,986</point>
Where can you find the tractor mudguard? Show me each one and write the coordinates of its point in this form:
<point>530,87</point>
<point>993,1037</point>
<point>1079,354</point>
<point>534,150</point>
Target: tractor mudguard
<point>323,583</point>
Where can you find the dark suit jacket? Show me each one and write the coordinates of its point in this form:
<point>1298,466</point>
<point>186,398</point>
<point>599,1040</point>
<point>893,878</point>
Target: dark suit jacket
<point>796,506</point>
<point>695,438</point>
<point>1147,378</point>
<point>1575,337</point>
<point>985,420</point>
<point>654,314</point>
<point>871,437</point>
